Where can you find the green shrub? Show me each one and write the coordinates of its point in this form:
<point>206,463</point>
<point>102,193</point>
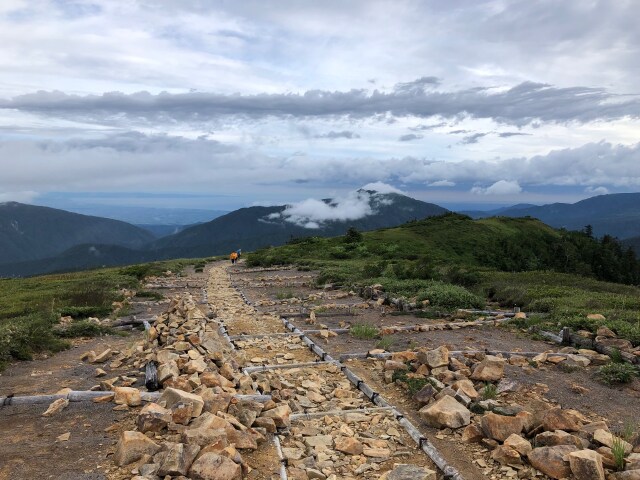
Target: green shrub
<point>21,337</point>
<point>386,342</point>
<point>489,391</point>
<point>149,294</point>
<point>618,452</point>
<point>83,328</point>
<point>363,331</point>
<point>284,294</point>
<point>617,373</point>
<point>450,296</point>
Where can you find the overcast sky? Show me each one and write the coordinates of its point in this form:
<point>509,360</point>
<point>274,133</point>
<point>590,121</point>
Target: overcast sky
<point>224,104</point>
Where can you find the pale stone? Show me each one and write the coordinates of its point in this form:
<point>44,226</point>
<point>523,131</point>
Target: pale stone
<point>172,396</point>
<point>56,407</point>
<point>500,427</point>
<point>127,396</point>
<point>211,466</point>
<point>586,465</point>
<point>491,369</point>
<point>550,460</point>
<point>446,412</point>
<point>132,446</point>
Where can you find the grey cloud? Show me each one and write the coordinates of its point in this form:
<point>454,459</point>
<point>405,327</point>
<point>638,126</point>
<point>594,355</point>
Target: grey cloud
<point>473,138</point>
<point>512,134</point>
<point>422,128</point>
<point>519,105</point>
<point>343,134</point>
<point>457,132</point>
<point>417,86</point>
<point>409,137</point>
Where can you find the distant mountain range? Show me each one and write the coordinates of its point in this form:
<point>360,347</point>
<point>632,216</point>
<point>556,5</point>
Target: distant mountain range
<point>45,240</point>
<point>36,240</point>
<point>615,214</point>
<point>29,232</point>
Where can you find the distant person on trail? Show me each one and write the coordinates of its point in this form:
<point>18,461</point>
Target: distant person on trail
<point>239,252</point>
<point>233,257</point>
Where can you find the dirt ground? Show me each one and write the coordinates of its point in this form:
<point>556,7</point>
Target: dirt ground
<point>599,402</point>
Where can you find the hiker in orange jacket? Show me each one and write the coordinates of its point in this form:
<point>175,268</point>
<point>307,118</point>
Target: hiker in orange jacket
<point>233,257</point>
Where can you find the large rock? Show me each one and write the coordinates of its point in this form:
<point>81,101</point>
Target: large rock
<point>178,459</point>
<point>153,418</point>
<point>559,419</point>
<point>409,472</point>
<point>127,396</point>
<point>133,446</point>
<point>466,386</point>
<point>559,437</point>
<point>425,394</point>
<point>211,466</point>
<point>519,444</point>
<point>606,438</point>
<point>586,465</point>
<point>280,415</point>
<point>434,358</point>
<point>550,460</point>
<point>491,369</point>
<point>500,427</point>
<point>506,455</point>
<point>173,396</point>
<point>348,445</point>
<point>446,412</point>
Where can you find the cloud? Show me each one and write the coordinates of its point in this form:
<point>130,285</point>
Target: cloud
<point>512,134</point>
<point>312,213</point>
<point>409,137</point>
<point>381,187</point>
<point>421,128</point>
<point>520,105</point>
<point>442,183</point>
<point>343,134</point>
<point>596,190</point>
<point>501,187</point>
<point>473,138</point>
<point>22,197</point>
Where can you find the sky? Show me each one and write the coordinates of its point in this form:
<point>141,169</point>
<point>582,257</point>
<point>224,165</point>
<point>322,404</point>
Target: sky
<point>226,104</point>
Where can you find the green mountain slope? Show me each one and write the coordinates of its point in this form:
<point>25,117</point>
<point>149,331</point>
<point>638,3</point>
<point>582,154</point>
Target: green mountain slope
<point>421,249</point>
<point>615,214</point>
<point>29,232</point>
<point>256,227</point>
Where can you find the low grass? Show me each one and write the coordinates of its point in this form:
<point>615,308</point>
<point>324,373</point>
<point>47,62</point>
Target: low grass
<point>617,373</point>
<point>385,343</point>
<point>30,308</point>
<point>618,452</point>
<point>414,385</point>
<point>489,391</point>
<point>285,294</point>
<point>363,331</point>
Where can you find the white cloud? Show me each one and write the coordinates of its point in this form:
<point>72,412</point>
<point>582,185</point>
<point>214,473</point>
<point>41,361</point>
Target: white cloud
<point>501,187</point>
<point>22,197</point>
<point>442,183</point>
<point>312,213</point>
<point>382,187</point>
<point>596,190</point>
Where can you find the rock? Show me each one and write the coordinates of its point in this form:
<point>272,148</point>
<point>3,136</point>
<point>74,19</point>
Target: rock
<point>579,360</point>
<point>348,445</point>
<point>586,465</point>
<point>393,365</point>
<point>434,358</point>
<point>425,394</point>
<point>596,316</point>
<point>466,386</point>
<point>491,369</point>
<point>506,455</point>
<point>211,466</point>
<point>559,419</point>
<point>173,396</point>
<point>519,444</point>
<point>619,343</point>
<point>204,435</point>
<point>628,475</point>
<point>56,407</point>
<point>550,460</point>
<point>64,437</point>
<point>167,371</point>
<point>446,412</point>
<point>605,332</point>
<point>178,459</point>
<point>132,446</point>
<point>153,418</point>
<point>279,414</point>
<point>518,360</point>
<point>408,472</point>
<point>103,357</point>
<point>558,437</point>
<point>319,441</point>
<point>127,396</point>
<point>376,452</point>
<point>181,413</point>
<point>606,438</point>
<point>472,434</point>
<point>500,427</point>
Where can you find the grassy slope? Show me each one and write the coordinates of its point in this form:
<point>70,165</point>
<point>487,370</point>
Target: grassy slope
<point>31,307</point>
<point>489,257</point>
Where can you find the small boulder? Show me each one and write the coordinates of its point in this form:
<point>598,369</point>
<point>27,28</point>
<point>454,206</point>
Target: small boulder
<point>446,412</point>
<point>506,455</point>
<point>550,460</point>
<point>519,444</point>
<point>348,445</point>
<point>559,419</point>
<point>491,369</point>
<point>127,396</point>
<point>408,472</point>
<point>211,466</point>
<point>133,446</point>
<point>173,396</point>
<point>56,407</point>
<point>500,427</point>
<point>586,465</point>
